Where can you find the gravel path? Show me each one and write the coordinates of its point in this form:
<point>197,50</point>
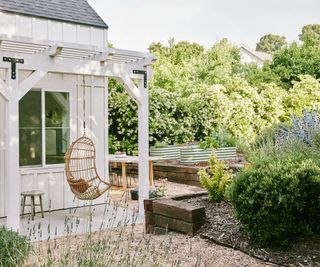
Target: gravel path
<point>180,250</point>
<point>129,246</point>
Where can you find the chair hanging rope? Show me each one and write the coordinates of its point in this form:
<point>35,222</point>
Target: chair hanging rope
<point>80,166</point>
<point>84,104</point>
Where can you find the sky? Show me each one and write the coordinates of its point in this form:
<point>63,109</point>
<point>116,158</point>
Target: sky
<point>135,24</point>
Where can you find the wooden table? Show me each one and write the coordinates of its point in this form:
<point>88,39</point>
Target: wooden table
<point>131,159</point>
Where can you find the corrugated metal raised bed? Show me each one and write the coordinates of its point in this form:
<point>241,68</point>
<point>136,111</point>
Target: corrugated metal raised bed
<point>168,152</point>
<point>194,154</point>
<point>226,153</point>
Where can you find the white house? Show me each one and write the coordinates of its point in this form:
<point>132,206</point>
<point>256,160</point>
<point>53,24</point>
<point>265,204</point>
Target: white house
<point>50,51</point>
<point>249,55</point>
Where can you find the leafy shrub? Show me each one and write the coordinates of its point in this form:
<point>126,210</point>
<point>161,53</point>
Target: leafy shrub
<point>217,179</point>
<point>14,249</point>
<point>279,197</point>
<point>219,139</point>
<point>304,94</point>
<point>316,141</point>
<point>160,145</point>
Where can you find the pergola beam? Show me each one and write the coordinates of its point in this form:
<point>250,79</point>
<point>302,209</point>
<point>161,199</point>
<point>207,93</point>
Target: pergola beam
<point>103,56</point>
<point>51,51</point>
<point>148,61</point>
<point>27,41</point>
<point>72,66</point>
<point>136,54</point>
<point>55,50</point>
<point>4,90</point>
<point>25,86</point>
<point>130,87</point>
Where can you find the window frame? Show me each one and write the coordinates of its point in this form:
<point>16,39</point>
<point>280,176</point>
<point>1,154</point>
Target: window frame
<point>43,126</point>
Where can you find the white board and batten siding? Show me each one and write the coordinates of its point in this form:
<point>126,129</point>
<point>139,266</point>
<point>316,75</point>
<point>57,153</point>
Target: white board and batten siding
<point>57,31</point>
<point>51,178</point>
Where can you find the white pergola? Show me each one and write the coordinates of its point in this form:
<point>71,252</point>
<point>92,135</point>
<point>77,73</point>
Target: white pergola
<point>42,57</point>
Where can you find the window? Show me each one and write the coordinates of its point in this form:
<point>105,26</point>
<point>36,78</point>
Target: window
<point>44,127</point>
<point>30,129</point>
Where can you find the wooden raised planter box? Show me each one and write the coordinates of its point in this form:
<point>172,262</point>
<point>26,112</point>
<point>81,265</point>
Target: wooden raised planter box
<point>177,173</point>
<point>171,214</point>
<point>194,154</point>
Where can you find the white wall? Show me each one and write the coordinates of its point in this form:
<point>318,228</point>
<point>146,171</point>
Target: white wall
<point>51,179</point>
<point>42,29</point>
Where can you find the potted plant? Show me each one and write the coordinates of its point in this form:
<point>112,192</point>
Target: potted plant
<point>134,194</point>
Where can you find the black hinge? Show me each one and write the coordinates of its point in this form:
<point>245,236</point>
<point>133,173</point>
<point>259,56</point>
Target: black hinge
<point>144,73</point>
<point>14,62</point>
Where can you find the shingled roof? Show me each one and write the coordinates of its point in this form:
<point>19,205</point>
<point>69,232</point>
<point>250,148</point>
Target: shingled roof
<point>76,11</point>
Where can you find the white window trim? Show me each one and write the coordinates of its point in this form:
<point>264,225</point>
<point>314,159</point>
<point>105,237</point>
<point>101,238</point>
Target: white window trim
<point>43,130</point>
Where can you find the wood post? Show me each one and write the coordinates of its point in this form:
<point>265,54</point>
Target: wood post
<point>143,137</point>
<point>13,175</point>
<point>124,176</point>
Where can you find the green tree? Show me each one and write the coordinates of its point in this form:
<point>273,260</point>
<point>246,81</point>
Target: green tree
<point>219,63</point>
<point>310,34</point>
<point>175,69</point>
<point>271,43</point>
<point>295,60</point>
<point>257,76</point>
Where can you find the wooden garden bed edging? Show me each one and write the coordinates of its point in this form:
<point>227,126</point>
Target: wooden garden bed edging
<point>171,214</point>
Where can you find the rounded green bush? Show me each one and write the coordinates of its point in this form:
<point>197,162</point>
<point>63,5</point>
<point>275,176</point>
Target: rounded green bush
<point>278,198</point>
<point>14,249</point>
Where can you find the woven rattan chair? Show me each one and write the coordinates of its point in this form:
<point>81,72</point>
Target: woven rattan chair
<point>81,172</point>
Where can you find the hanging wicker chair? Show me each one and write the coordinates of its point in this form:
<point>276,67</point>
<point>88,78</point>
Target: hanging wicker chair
<point>81,171</point>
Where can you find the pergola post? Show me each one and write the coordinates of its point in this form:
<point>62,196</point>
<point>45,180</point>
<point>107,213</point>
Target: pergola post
<point>13,176</point>
<point>143,146</point>
<point>141,97</point>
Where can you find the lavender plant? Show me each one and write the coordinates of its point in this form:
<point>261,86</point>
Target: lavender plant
<point>303,129</point>
<point>117,242</point>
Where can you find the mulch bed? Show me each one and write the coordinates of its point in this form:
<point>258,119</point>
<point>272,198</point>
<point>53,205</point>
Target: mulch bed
<point>222,228</point>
